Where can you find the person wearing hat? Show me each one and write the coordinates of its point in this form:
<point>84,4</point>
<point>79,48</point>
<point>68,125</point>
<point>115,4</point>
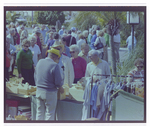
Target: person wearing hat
<point>65,63</point>
<point>73,29</point>
<point>61,31</point>
<point>48,80</point>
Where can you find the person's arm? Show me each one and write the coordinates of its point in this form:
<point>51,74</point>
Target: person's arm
<point>107,69</point>
<point>71,75</point>
<point>97,41</point>
<point>87,74</point>
<point>12,49</point>
<point>46,38</point>
<point>59,80</point>
<point>47,29</point>
<point>104,44</point>
<point>19,59</point>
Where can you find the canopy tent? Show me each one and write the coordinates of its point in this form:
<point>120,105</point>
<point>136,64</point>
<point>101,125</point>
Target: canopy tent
<point>127,107</point>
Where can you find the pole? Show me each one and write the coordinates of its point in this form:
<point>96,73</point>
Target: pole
<point>132,36</point>
<point>113,56</point>
<point>91,93</point>
<point>32,17</point>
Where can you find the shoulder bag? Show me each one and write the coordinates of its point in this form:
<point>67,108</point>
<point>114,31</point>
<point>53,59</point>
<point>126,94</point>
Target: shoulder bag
<point>99,45</point>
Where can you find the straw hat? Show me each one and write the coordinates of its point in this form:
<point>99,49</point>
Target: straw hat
<point>58,43</point>
<point>55,51</point>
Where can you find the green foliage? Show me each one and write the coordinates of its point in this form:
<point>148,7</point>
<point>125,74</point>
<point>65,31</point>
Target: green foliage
<point>11,16</point>
<point>84,20</point>
<point>50,17</point>
<point>128,64</point>
<point>123,44</point>
<point>66,24</point>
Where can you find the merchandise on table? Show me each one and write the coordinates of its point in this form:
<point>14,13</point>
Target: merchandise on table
<point>18,87</point>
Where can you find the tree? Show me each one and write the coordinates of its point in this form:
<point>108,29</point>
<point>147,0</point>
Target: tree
<point>84,20</point>
<point>113,26</point>
<point>11,16</point>
<point>50,17</point>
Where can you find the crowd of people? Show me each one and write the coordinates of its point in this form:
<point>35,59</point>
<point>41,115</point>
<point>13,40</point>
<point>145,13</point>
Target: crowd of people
<point>69,55</point>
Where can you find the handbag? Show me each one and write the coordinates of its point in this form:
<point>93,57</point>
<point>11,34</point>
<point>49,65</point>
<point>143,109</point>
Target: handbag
<point>99,45</point>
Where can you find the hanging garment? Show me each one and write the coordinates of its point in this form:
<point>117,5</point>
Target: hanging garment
<point>93,100</point>
<point>105,101</point>
<point>86,103</point>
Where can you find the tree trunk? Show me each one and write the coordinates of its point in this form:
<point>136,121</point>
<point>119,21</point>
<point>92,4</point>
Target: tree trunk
<point>113,56</point>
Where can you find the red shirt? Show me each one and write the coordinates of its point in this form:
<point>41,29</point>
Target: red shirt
<point>79,65</point>
<point>18,40</point>
<point>38,42</point>
<point>7,60</point>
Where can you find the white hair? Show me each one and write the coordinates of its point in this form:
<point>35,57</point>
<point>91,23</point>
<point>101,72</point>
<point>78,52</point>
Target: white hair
<point>90,30</point>
<point>83,45</point>
<point>85,33</point>
<point>94,52</point>
<point>76,47</point>
<point>32,37</point>
<point>12,30</point>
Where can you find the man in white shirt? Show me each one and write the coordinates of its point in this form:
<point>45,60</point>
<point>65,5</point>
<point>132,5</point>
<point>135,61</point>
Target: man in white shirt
<point>73,29</point>
<point>96,66</point>
<point>117,44</point>
<point>129,43</point>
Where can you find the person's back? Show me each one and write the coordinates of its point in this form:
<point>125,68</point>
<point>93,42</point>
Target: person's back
<point>70,40</point>
<point>45,78</point>
<point>129,41</point>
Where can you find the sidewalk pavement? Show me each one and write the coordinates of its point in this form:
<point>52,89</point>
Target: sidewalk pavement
<point>123,49</point>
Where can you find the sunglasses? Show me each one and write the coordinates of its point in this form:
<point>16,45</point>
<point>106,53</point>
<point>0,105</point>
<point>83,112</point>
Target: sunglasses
<point>72,51</point>
<point>57,48</point>
<point>89,56</point>
<point>139,66</point>
<point>26,46</point>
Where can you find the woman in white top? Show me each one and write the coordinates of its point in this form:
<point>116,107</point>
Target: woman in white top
<point>99,38</point>
<point>36,52</point>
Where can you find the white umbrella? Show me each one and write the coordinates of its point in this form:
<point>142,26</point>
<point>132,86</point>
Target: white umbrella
<point>21,19</point>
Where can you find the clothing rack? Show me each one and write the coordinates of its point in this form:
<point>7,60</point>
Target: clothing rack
<point>118,76</point>
<point>110,76</point>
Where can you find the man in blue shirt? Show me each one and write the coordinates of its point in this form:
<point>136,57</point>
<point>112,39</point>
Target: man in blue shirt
<point>61,31</point>
<point>94,36</point>
<point>43,32</point>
